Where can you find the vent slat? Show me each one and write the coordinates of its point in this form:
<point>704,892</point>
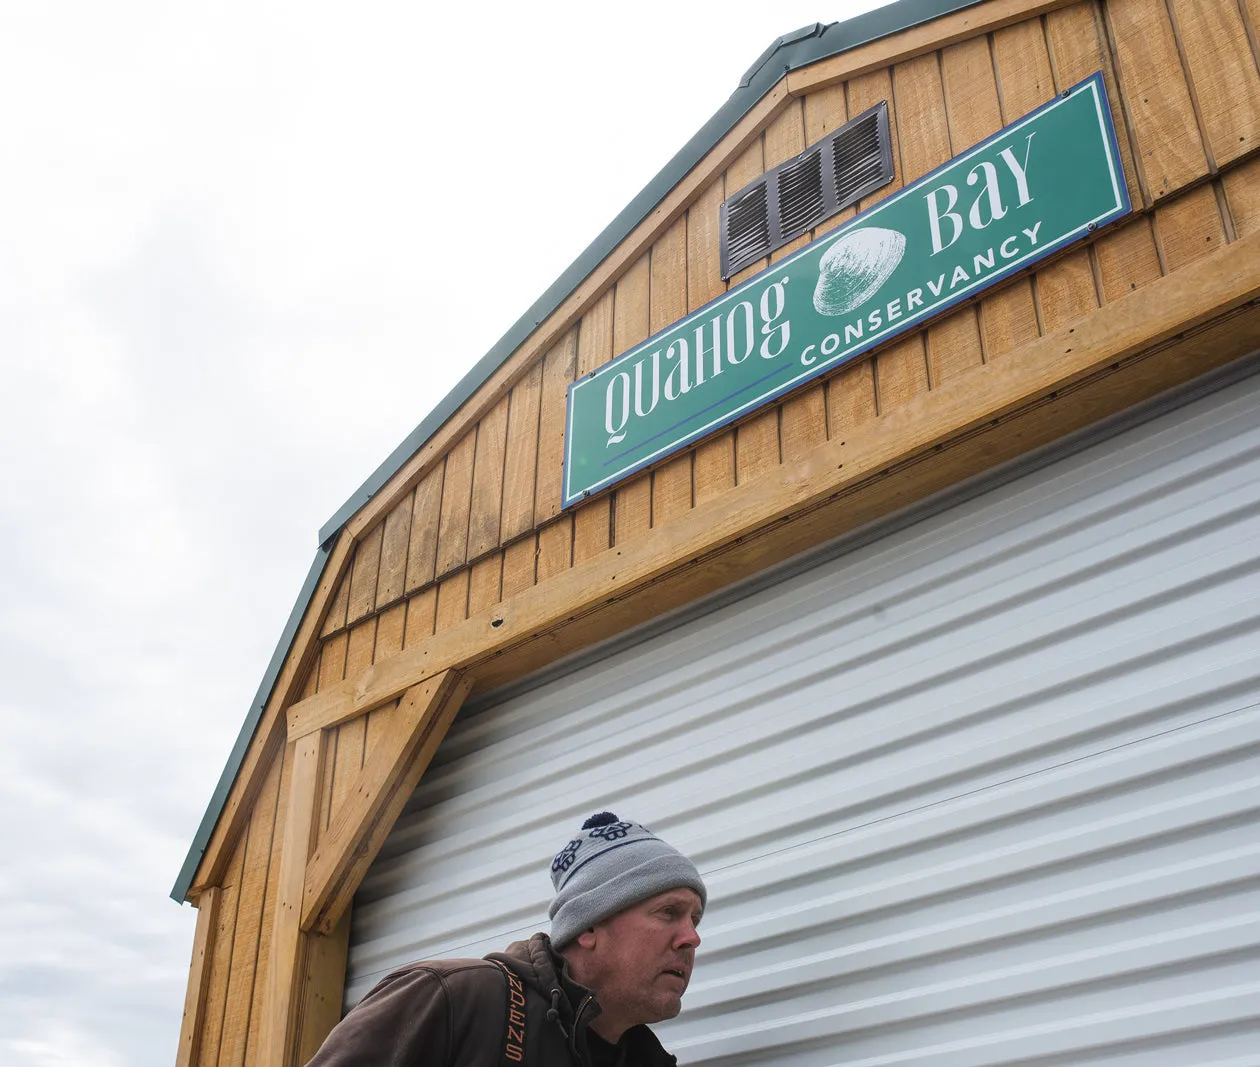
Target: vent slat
<point>856,155</point>
<point>800,194</point>
<point>746,234</point>
<point>797,195</point>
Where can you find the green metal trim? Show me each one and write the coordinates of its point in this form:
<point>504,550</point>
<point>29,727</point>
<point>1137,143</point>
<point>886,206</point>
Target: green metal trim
<point>237,756</point>
<point>789,52</point>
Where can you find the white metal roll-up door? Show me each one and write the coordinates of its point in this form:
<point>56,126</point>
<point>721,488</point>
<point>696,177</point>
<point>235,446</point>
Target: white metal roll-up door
<point>982,791</point>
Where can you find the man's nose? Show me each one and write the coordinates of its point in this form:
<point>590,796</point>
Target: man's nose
<point>688,936</point>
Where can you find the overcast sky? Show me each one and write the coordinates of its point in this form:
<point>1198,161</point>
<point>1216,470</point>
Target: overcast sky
<point>244,249</point>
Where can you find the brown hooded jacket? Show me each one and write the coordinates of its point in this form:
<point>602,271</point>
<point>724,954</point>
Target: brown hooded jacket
<point>514,1007</point>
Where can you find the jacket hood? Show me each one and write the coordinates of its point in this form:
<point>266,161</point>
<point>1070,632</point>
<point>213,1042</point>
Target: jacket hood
<point>540,966</point>
<point>544,970</point>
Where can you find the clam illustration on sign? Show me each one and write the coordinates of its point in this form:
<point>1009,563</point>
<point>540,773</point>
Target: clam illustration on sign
<point>855,267</point>
<point>1047,180</point>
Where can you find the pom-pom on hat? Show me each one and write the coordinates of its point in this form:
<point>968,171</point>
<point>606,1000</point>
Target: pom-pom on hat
<point>609,864</point>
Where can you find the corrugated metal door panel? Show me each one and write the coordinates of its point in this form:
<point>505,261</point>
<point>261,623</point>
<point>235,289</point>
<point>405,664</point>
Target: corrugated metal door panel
<point>984,791</point>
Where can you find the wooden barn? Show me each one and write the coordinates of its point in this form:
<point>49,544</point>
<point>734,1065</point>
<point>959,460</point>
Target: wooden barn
<point>873,511</point>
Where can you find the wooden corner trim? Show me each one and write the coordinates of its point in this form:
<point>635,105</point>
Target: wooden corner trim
<point>278,1032</point>
<point>198,978</point>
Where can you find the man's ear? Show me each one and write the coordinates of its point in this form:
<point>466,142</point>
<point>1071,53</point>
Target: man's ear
<point>586,938</point>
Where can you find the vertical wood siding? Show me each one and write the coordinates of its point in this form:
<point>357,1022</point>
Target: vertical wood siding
<point>521,459</point>
<point>558,368</point>
<point>242,977</point>
<point>392,579</point>
<point>671,485</point>
<point>632,501</point>
<point>713,466</point>
<point>198,978</point>
<point>422,547</point>
<point>268,910</point>
<point>221,967</point>
<point>802,416</point>
<point>453,516</point>
<point>487,487</point>
<point>483,522</point>
<point>592,522</point>
<point>240,939</point>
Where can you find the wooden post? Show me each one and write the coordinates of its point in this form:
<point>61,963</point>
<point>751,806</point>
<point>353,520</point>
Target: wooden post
<point>198,978</point>
<point>323,985</point>
<point>278,1037</point>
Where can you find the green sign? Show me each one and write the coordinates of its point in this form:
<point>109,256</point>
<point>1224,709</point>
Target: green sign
<point>1041,183</point>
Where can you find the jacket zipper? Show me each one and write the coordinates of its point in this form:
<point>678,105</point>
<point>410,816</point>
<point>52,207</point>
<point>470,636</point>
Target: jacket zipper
<point>577,1021</point>
<point>577,1018</point>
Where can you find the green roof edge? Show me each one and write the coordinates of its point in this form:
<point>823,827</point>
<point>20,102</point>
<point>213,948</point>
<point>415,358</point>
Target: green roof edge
<point>789,52</point>
<point>237,756</point>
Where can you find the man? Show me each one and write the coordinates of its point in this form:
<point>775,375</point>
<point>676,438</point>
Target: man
<point>622,945</point>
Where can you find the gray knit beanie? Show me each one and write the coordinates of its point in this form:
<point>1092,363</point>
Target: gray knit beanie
<point>609,865</point>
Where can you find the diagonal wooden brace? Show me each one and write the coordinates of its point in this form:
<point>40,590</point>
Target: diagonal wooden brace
<point>412,734</point>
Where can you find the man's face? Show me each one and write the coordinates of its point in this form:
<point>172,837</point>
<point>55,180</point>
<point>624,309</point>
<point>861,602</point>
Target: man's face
<point>638,962</point>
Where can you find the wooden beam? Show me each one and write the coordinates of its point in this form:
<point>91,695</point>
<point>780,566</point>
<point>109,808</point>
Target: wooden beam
<point>278,1033</point>
<point>269,736</point>
<point>407,743</point>
<point>985,443</point>
<point>198,977</point>
<point>1147,317</point>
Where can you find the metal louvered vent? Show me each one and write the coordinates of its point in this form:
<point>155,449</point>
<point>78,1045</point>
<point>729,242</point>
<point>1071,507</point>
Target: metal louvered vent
<point>797,195</point>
